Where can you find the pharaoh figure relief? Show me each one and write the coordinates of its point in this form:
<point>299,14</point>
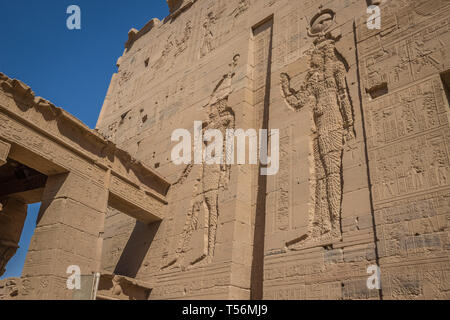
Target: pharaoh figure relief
<point>214,178</point>
<point>208,35</point>
<point>325,94</point>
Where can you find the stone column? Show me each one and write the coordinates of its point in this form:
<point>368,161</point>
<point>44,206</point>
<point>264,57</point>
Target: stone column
<point>12,218</point>
<point>68,233</point>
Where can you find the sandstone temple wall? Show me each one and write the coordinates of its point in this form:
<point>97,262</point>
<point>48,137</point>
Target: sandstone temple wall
<point>363,117</point>
<point>365,186</point>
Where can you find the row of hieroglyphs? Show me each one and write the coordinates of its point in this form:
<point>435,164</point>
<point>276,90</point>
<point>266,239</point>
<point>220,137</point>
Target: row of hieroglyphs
<point>190,287</point>
<point>412,50</point>
<point>403,165</point>
<point>414,226</point>
<point>398,282</point>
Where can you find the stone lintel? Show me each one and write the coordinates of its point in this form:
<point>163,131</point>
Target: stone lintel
<point>99,151</point>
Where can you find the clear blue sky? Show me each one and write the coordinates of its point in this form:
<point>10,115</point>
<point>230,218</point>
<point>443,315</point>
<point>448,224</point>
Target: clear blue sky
<point>71,68</point>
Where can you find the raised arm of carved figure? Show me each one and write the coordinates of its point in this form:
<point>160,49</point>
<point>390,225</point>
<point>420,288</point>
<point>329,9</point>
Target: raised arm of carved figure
<point>296,99</point>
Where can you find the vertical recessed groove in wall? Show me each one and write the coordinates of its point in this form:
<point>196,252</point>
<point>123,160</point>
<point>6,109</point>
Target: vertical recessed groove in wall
<point>372,207</point>
<point>261,46</point>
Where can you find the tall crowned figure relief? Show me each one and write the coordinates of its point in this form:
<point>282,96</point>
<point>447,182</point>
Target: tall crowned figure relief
<point>325,93</point>
<point>214,177</point>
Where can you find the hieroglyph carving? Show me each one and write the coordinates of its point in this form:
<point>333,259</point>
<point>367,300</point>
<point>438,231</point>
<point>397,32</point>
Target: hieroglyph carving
<point>180,45</point>
<point>325,93</point>
<point>242,6</point>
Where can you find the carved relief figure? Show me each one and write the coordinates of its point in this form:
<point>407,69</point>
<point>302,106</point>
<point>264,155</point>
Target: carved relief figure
<point>165,53</point>
<point>214,178</point>
<point>175,45</point>
<point>325,93</point>
<point>182,43</point>
<point>208,36</point>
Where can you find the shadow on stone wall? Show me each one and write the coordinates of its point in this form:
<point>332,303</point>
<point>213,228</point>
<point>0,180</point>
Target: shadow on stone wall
<point>136,249</point>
